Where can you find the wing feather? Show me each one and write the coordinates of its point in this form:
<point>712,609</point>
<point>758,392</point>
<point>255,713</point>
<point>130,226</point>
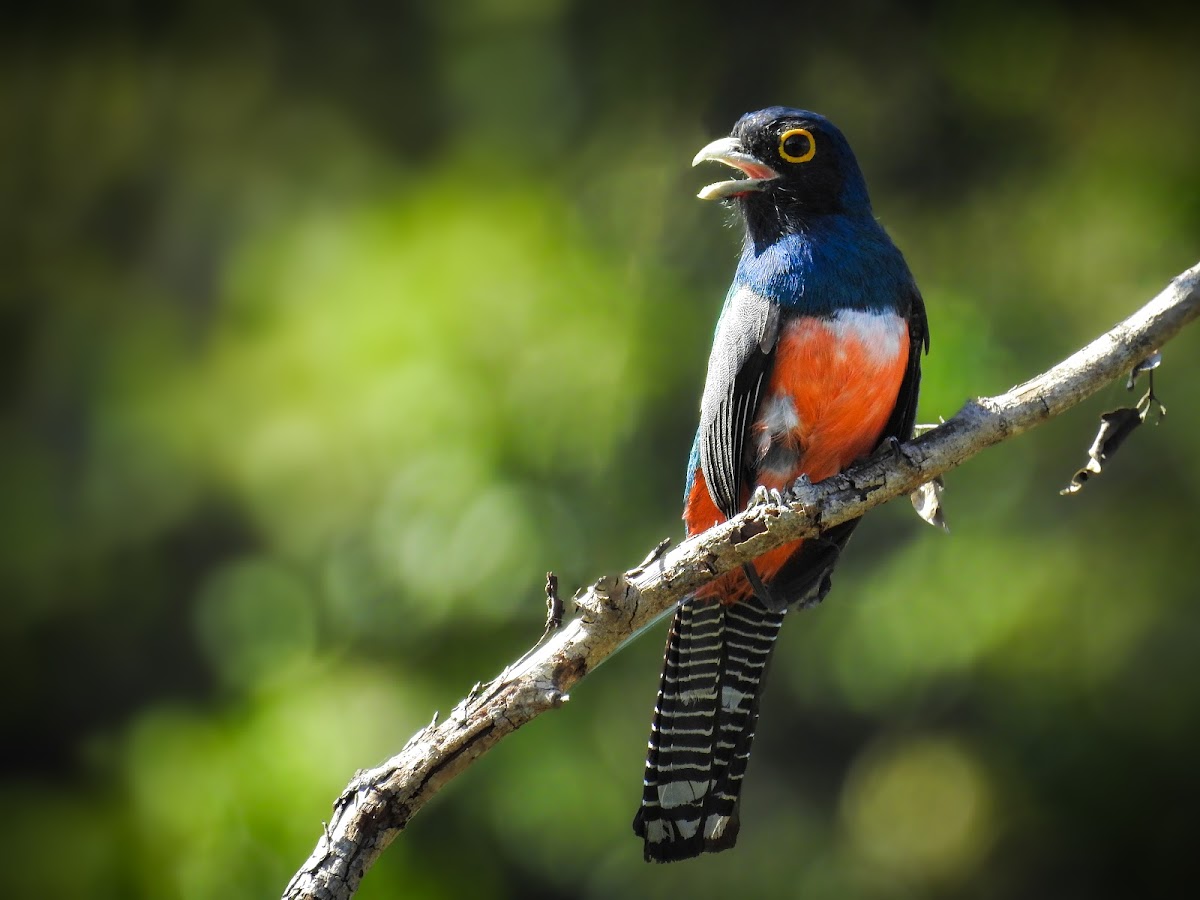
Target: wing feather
<point>904,416</point>
<point>740,365</point>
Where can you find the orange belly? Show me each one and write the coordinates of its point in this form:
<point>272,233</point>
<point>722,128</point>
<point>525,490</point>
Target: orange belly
<point>832,390</point>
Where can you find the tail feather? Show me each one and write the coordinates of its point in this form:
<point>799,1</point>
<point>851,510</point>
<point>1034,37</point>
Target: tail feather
<point>750,633</point>
<point>716,660</point>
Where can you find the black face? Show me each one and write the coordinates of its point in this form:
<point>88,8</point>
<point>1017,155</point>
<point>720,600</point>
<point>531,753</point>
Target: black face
<point>811,156</point>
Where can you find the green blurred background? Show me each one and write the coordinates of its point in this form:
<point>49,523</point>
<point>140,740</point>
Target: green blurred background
<point>329,328</point>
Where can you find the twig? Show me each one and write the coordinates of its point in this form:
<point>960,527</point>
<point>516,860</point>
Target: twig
<point>379,803</point>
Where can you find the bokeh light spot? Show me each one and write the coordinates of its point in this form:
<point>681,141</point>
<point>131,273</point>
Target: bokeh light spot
<point>922,808</point>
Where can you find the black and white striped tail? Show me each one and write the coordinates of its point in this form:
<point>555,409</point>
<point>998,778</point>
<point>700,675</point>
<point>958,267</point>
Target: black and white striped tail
<point>704,719</point>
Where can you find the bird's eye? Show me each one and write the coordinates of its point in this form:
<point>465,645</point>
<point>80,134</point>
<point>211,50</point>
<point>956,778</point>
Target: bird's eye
<point>796,145</point>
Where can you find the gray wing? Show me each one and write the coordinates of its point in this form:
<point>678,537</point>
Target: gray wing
<point>738,369</point>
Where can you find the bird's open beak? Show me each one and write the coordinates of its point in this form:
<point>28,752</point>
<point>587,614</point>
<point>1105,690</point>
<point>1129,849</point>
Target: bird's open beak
<point>729,150</point>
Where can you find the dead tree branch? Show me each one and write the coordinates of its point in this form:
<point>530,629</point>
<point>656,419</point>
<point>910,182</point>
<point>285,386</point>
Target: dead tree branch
<point>378,803</point>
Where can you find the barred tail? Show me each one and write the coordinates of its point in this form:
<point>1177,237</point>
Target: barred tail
<point>716,660</point>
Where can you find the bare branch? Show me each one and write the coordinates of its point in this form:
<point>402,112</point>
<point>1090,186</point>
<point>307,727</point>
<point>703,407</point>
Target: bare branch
<point>379,803</point>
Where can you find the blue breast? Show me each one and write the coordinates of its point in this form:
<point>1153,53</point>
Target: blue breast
<point>840,262</point>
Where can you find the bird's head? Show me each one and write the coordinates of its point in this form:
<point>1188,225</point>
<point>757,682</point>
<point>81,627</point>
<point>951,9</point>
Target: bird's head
<point>797,166</point>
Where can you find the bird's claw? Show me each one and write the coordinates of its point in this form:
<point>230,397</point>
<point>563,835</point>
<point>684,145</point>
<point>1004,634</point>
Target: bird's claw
<point>799,491</point>
<point>803,493</point>
<point>765,496</point>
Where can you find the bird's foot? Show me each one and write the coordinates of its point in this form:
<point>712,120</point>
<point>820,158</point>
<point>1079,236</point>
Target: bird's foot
<point>765,496</point>
<point>800,491</point>
<point>890,447</point>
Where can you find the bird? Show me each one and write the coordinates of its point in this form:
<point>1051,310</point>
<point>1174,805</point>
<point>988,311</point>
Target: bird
<point>815,364</point>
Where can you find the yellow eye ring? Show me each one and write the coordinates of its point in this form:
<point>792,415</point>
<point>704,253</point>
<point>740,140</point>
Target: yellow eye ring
<point>791,157</point>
